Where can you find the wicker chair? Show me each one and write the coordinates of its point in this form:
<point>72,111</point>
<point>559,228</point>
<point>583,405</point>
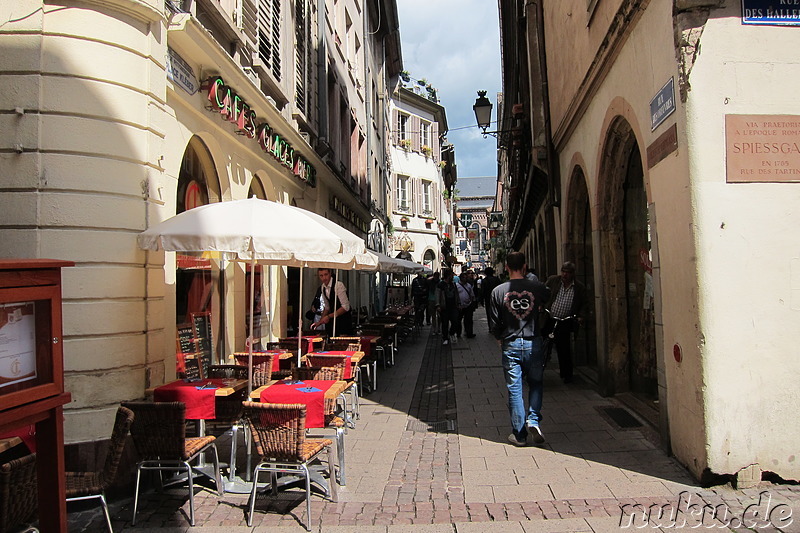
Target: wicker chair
<point>87,485</point>
<point>335,373</point>
<point>226,372</point>
<point>368,363</point>
<point>19,498</point>
<point>332,421</point>
<point>279,436</point>
<point>262,367</point>
<point>159,433</point>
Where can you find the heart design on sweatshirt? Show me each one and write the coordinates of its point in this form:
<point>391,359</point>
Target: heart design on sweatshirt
<point>519,304</point>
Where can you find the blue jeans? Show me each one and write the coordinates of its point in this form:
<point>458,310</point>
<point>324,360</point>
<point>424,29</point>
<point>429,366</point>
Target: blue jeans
<point>524,358</point>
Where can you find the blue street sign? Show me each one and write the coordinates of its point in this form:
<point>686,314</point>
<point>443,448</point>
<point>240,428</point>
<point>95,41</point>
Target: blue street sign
<point>771,12</point>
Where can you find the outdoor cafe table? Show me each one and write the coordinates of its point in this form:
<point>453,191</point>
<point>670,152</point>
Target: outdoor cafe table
<point>331,358</point>
<point>319,397</point>
<point>198,396</point>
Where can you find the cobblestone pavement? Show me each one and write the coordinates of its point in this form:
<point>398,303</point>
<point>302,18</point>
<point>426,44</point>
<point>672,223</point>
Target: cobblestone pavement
<point>429,454</point>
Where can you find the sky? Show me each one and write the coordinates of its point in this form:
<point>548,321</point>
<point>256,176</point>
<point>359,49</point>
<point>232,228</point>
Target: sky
<point>455,46</point>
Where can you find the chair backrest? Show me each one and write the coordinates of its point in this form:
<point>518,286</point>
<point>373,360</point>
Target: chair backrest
<point>19,496</point>
<point>119,435</point>
<point>278,429</point>
<point>262,373</point>
<point>227,371</point>
<point>159,429</point>
<point>335,373</point>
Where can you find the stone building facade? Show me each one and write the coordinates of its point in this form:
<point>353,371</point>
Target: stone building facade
<point>652,142</point>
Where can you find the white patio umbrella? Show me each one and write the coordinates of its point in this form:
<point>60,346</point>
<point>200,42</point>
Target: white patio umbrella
<point>255,230</point>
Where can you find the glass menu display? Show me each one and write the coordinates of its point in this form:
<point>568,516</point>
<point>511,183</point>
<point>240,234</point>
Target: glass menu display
<point>17,343</point>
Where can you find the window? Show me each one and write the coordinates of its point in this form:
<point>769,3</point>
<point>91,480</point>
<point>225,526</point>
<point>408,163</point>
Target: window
<point>403,122</point>
<point>269,35</point>
<point>427,197</point>
<point>425,134</point>
<point>403,203</point>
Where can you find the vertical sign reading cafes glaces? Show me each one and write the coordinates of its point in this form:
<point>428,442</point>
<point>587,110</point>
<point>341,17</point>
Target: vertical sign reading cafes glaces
<point>234,109</point>
<point>762,148</point>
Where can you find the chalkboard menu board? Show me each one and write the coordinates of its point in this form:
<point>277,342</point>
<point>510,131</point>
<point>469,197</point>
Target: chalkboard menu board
<point>193,366</point>
<point>201,324</point>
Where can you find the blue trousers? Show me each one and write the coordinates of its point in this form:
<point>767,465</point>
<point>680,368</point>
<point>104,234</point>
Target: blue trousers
<point>524,359</point>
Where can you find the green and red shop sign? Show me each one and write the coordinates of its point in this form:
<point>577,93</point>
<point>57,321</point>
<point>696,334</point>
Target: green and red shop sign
<point>224,100</point>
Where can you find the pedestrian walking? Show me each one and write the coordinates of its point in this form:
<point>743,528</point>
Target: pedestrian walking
<point>419,294</point>
<point>490,281</point>
<point>467,303</point>
<point>447,306</point>
<point>433,316</point>
<point>567,307</point>
<point>514,309</point>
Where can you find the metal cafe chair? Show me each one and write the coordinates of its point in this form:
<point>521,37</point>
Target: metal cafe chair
<point>159,434</point>
<point>88,485</point>
<point>280,439</point>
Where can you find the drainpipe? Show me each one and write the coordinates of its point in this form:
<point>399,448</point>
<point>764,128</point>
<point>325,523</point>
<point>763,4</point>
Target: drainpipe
<point>322,76</point>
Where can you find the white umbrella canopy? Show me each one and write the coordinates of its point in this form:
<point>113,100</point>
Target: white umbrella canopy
<point>260,230</point>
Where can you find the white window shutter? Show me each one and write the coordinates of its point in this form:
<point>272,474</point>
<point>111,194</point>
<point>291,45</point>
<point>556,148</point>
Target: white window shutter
<point>436,145</point>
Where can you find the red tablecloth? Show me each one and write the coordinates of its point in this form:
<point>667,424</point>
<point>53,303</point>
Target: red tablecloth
<point>332,358</point>
<point>366,343</point>
<point>200,404</point>
<point>241,358</point>
<point>310,392</point>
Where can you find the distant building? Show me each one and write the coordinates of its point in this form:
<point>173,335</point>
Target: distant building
<point>475,199</point>
<point>422,173</point>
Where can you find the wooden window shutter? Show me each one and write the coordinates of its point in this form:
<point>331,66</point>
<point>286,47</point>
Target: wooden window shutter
<point>248,23</point>
<point>415,133</point>
<point>395,127</point>
<point>269,35</point>
<point>301,56</point>
<point>436,144</point>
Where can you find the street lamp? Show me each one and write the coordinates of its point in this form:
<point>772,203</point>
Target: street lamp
<point>483,116</point>
<point>483,111</point>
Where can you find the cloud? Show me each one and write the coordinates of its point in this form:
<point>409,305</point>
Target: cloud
<point>455,46</point>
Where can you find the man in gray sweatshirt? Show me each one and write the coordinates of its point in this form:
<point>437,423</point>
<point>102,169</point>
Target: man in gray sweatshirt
<point>513,312</point>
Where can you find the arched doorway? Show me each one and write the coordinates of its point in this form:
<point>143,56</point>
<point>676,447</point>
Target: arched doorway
<point>627,294</point>
<point>198,283</point>
<point>578,249</point>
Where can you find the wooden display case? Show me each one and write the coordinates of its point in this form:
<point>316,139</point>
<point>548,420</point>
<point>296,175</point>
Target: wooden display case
<point>32,372</point>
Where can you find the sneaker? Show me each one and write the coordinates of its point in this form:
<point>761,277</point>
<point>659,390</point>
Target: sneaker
<point>445,342</point>
<point>513,440</point>
<point>536,434</point>
<point>454,339</point>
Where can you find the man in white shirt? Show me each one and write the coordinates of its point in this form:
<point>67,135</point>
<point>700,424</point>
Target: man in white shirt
<point>333,301</point>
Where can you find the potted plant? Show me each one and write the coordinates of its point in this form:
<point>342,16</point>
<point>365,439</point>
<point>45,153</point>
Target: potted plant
<point>405,144</point>
<point>442,164</point>
<point>426,150</point>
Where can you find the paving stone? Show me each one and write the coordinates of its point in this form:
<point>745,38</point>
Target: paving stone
<point>473,480</point>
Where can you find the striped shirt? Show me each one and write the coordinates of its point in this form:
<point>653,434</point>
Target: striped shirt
<point>562,306</point>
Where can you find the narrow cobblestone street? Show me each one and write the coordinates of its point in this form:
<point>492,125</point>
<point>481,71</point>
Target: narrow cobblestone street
<point>430,454</point>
